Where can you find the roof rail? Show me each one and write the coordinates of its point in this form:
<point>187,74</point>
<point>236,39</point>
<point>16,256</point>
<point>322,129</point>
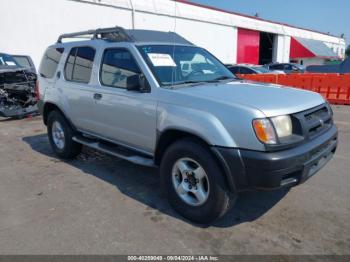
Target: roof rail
<point>117,34</point>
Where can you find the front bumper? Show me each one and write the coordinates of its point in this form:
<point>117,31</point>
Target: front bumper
<point>246,169</point>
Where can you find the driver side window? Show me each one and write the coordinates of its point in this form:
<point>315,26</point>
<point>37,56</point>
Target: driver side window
<point>118,67</point>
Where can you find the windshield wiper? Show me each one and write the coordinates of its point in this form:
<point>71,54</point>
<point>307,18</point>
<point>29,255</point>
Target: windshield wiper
<point>221,78</point>
<point>187,82</point>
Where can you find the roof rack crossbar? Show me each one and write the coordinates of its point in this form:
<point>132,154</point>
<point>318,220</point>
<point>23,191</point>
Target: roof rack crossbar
<point>117,34</point>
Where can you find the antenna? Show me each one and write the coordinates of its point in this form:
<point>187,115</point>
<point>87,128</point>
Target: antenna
<point>174,35</point>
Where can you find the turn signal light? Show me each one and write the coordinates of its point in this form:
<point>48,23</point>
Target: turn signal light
<point>264,131</point>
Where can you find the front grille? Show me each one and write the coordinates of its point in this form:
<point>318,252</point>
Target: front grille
<point>315,121</point>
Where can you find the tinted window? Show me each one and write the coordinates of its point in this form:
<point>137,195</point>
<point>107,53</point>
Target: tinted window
<point>277,67</point>
<point>50,62</point>
<point>118,65</point>
<point>68,70</point>
<point>79,64</point>
<point>287,67</point>
<point>245,70</point>
<point>234,70</point>
<point>261,69</point>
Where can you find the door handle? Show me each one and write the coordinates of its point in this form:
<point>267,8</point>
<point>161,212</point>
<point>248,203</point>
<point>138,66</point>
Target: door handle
<point>97,96</point>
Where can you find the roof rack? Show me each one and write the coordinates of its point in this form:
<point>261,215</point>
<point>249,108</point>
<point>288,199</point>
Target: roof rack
<point>116,34</point>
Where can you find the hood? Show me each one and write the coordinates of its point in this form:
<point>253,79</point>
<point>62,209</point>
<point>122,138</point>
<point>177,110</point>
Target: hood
<point>272,100</point>
<point>6,68</point>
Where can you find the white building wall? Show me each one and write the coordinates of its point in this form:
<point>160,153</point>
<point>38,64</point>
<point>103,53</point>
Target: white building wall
<point>32,25</point>
<point>281,51</point>
<point>220,40</point>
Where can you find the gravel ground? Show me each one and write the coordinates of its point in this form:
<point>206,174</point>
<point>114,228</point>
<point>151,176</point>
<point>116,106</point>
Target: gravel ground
<point>99,204</point>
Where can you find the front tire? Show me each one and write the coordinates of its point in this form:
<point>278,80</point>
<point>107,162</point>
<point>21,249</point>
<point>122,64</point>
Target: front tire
<point>61,136</point>
<point>194,182</point>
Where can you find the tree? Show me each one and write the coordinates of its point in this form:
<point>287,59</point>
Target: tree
<point>347,51</point>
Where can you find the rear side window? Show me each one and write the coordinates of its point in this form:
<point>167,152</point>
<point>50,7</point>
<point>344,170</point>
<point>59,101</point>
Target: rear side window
<point>50,62</point>
<point>79,64</point>
<point>118,65</point>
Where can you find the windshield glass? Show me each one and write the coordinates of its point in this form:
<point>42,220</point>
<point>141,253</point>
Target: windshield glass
<point>174,65</point>
<point>7,60</point>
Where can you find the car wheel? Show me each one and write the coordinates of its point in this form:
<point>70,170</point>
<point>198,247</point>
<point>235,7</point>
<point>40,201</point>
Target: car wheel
<point>194,183</point>
<point>61,136</point>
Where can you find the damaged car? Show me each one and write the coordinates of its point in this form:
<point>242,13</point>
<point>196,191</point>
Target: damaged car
<point>18,90</point>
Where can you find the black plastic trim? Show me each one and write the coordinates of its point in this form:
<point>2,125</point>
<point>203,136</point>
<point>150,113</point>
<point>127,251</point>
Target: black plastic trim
<point>272,170</point>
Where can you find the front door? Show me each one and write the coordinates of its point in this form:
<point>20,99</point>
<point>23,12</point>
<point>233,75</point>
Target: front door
<point>127,117</point>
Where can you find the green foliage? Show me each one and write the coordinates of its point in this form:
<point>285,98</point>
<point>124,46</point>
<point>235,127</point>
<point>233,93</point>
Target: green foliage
<point>347,51</point>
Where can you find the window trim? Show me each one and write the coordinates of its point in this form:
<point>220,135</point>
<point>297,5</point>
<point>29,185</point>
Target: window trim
<point>39,71</point>
<point>101,65</point>
<point>75,57</point>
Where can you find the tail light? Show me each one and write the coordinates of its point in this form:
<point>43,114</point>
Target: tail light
<point>36,90</point>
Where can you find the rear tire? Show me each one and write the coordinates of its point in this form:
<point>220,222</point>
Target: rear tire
<point>194,183</point>
<point>61,136</point>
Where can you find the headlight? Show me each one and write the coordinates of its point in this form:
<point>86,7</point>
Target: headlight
<point>283,125</point>
<point>264,131</point>
<point>267,130</point>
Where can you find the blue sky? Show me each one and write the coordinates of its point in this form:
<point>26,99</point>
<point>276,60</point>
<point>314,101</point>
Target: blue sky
<point>321,15</point>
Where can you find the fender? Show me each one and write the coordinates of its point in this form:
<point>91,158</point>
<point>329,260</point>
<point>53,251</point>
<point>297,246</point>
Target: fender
<point>202,124</point>
<point>49,106</point>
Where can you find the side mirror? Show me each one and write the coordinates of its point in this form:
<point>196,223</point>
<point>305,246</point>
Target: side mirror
<point>138,83</point>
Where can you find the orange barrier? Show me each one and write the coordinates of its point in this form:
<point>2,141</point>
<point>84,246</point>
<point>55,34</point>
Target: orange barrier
<point>334,87</point>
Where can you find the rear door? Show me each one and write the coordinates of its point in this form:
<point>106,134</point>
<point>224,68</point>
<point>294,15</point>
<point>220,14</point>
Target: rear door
<point>74,88</point>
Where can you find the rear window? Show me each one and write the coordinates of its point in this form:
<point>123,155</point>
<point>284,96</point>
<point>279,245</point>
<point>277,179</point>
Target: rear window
<point>50,62</point>
<point>79,64</point>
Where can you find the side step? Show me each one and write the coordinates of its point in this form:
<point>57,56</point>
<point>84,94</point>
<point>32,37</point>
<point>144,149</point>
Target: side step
<point>116,150</point>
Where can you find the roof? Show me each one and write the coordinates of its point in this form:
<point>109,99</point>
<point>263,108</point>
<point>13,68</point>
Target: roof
<point>248,16</point>
<point>311,48</point>
<point>119,34</point>
<point>138,35</point>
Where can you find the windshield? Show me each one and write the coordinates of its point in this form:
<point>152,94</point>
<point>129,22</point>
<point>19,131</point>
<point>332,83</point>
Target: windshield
<point>175,65</point>
<point>7,60</point>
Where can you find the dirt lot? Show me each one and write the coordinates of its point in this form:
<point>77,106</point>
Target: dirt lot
<point>102,205</point>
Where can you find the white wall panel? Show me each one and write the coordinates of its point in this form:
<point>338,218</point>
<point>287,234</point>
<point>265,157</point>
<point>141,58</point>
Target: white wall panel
<point>29,26</point>
<point>281,51</point>
<point>219,40</point>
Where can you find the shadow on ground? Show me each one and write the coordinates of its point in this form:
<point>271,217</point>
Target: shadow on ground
<point>142,184</point>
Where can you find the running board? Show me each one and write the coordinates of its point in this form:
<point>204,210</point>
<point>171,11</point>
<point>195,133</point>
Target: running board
<point>115,150</point>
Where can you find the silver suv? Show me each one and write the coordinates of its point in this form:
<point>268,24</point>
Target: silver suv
<point>155,99</point>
